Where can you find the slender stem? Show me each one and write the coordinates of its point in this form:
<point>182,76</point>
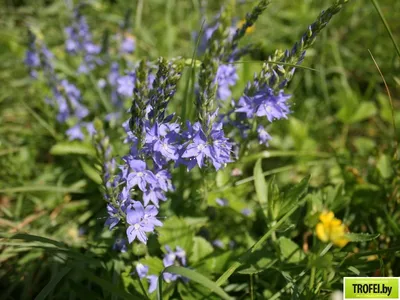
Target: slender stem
<point>312,278</point>
<point>251,287</point>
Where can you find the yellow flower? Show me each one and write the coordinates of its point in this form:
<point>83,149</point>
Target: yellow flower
<point>249,29</point>
<point>331,229</point>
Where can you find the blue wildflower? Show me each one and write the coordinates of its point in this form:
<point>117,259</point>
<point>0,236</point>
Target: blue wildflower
<point>75,133</point>
<point>265,103</point>
<point>120,245</point>
<point>171,258</point>
<point>226,77</point>
<point>222,202</point>
<point>142,270</point>
<point>113,218</point>
<point>263,135</point>
<point>126,84</point>
<point>128,45</point>
<point>138,174</point>
<point>218,244</point>
<point>246,212</point>
<point>138,228</point>
<point>153,280</point>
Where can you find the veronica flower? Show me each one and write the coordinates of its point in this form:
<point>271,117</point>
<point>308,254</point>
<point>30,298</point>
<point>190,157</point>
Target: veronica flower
<point>164,180</point>
<point>113,218</point>
<point>120,245</point>
<point>79,40</point>
<point>63,109</point>
<point>138,227</point>
<point>150,214</point>
<point>246,212</point>
<point>75,133</point>
<point>126,84</point>
<point>153,195</point>
<point>32,59</point>
<point>160,142</point>
<point>113,74</point>
<point>138,174</point>
<point>225,78</point>
<point>170,259</point>
<point>263,136</point>
<point>198,149</point>
<point>265,103</point>
<point>218,244</point>
<point>153,279</point>
<point>128,45</point>
<point>222,202</point>
<point>142,270</point>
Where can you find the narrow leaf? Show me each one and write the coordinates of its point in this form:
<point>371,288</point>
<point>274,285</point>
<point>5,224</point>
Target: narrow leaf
<point>261,187</point>
<point>52,284</point>
<point>361,237</point>
<point>199,278</point>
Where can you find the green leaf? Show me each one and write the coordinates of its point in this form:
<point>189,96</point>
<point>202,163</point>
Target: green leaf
<point>291,252</point>
<point>261,188</point>
<point>384,166</point>
<point>52,284</point>
<point>320,262</point>
<point>74,147</point>
<point>176,232</point>
<point>259,261</point>
<point>274,199</point>
<point>154,263</point>
<point>201,248</point>
<point>90,171</point>
<point>364,111</point>
<point>293,195</point>
<point>199,278</point>
<point>361,237</point>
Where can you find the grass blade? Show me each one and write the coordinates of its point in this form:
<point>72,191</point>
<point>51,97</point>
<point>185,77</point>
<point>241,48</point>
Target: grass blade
<point>378,9</point>
<point>53,282</point>
<point>199,278</point>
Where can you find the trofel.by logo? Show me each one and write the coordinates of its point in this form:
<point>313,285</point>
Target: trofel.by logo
<point>371,288</point>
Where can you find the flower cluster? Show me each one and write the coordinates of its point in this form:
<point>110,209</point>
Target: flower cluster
<point>79,41</point>
<point>66,97</point>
